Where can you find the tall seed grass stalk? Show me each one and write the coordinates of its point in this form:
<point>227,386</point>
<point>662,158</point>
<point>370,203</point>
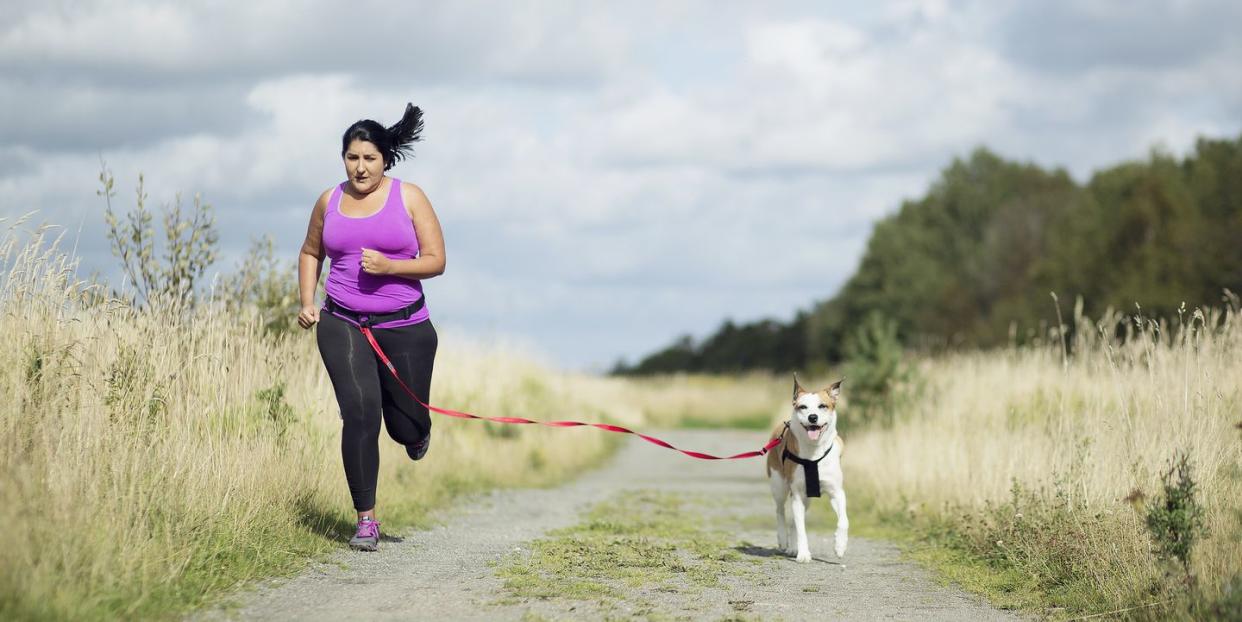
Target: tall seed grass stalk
<point>153,458</point>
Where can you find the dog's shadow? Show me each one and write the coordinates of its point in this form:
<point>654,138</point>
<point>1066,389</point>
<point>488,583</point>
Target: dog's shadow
<point>773,553</point>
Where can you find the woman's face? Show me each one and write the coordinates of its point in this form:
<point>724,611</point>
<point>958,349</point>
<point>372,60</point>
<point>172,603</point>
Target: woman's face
<point>364,165</point>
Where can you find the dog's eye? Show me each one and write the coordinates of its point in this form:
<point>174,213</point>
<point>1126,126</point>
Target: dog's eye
<point>823,406</point>
<point>801,406</point>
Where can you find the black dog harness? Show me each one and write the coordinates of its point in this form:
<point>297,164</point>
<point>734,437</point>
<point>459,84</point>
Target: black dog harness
<point>370,319</point>
<point>810,468</point>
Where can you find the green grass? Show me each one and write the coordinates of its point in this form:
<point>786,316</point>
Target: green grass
<point>634,542</point>
<point>748,421</point>
<point>277,546</point>
<point>1044,563</point>
<point>1040,562</point>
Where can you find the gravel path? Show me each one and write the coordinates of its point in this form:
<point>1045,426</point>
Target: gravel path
<point>447,573</point>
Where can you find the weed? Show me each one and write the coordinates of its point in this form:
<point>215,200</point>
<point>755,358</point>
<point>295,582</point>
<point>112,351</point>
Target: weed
<point>276,412</point>
<point>1176,519</point>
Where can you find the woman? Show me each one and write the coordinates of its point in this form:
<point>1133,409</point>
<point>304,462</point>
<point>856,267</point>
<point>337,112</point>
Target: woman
<point>383,239</point>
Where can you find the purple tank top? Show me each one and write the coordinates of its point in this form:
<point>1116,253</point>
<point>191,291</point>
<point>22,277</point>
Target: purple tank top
<point>388,231</point>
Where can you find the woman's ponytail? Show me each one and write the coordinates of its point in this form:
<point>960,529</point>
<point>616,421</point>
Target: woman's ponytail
<point>394,143</point>
<point>406,132</point>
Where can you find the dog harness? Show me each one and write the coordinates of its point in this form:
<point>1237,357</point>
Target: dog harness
<point>810,468</point>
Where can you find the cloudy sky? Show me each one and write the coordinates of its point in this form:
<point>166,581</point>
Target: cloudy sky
<point>609,175</point>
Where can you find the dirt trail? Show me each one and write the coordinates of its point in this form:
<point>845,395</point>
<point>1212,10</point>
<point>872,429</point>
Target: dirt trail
<point>448,573</point>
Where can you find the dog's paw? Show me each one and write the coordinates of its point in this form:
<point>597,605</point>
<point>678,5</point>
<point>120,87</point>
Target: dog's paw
<point>803,557</point>
<point>839,546</point>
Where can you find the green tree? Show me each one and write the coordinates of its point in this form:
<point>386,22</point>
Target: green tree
<point>977,255</point>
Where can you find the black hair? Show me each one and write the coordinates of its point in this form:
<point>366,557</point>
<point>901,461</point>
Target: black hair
<point>395,143</point>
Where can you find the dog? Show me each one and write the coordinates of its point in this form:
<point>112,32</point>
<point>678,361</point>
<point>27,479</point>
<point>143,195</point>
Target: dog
<point>809,445</point>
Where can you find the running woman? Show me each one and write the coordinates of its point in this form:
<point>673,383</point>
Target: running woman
<point>383,239</point>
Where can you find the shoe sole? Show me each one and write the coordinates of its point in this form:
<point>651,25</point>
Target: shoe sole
<point>364,546</point>
<point>420,453</point>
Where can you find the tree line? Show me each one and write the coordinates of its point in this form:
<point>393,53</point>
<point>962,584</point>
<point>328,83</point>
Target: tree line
<point>972,263</point>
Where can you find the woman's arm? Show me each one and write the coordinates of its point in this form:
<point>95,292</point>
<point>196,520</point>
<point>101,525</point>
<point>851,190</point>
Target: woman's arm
<point>310,263</point>
<point>430,260</point>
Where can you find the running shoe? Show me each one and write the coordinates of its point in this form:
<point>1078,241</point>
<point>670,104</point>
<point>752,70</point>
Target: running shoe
<point>367,538</point>
<point>419,449</point>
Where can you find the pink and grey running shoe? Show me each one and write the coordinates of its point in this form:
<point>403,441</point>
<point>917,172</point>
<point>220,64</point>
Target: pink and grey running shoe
<point>367,538</point>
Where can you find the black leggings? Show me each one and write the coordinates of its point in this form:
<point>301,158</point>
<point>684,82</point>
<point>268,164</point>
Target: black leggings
<point>367,392</point>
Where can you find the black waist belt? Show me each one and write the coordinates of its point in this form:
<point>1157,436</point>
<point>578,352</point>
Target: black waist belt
<point>370,319</point>
<point>810,468</point>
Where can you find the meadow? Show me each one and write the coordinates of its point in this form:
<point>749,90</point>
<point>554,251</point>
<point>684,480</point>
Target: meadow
<point>1042,464</point>
<point>154,458</point>
<point>1032,474</point>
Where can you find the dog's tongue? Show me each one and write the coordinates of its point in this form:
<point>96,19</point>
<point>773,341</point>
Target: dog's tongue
<point>814,433</point>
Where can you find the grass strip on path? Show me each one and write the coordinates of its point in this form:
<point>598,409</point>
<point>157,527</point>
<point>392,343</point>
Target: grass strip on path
<point>629,548</point>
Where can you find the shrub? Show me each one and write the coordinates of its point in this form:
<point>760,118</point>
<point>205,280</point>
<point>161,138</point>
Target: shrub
<point>189,247</point>
<point>876,368</point>
<point>264,283</point>
<point>1176,520</point>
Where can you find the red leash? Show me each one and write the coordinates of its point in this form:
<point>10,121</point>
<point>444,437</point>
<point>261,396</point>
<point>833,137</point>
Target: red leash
<point>557,424</point>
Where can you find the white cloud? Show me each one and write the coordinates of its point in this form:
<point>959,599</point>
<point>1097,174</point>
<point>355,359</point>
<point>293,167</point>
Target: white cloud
<point>133,40</point>
<point>608,176</point>
<point>157,35</point>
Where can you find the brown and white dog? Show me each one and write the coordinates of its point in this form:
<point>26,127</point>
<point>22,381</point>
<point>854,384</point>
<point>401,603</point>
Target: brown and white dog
<point>809,445</point>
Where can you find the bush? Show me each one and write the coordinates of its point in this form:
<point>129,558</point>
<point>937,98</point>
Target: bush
<point>1176,521</point>
<point>264,283</point>
<point>876,368</point>
<point>189,247</point>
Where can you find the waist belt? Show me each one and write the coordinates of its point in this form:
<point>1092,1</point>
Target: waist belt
<point>371,319</point>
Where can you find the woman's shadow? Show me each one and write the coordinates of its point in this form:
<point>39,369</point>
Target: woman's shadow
<point>330,525</point>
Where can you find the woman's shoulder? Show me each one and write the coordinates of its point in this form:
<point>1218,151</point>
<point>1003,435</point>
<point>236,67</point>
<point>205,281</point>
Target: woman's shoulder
<point>413,196</point>
<point>321,204</point>
<point>409,188</point>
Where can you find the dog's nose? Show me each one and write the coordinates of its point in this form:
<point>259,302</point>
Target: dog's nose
<point>812,418</point>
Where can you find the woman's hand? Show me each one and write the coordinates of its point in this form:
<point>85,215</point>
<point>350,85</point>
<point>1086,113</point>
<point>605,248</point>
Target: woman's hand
<point>374,262</point>
<point>308,316</point>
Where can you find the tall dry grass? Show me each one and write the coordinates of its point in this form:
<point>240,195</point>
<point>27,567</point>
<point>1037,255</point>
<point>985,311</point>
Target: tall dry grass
<point>1028,454</point>
<point>150,459</point>
<point>754,400</point>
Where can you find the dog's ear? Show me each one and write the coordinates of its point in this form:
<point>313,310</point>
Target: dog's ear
<point>798,390</point>
<point>834,391</point>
